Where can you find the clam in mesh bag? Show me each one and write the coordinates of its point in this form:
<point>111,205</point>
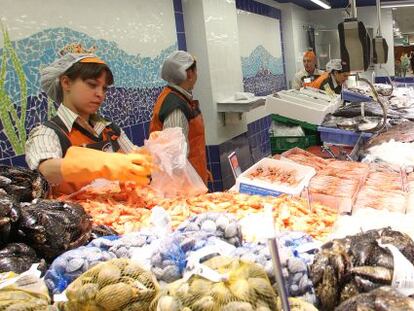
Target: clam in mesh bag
<point>116,285</point>
<point>28,293</point>
<point>245,288</point>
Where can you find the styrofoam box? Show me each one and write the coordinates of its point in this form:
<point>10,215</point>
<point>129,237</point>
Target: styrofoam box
<point>256,186</point>
<point>313,113</point>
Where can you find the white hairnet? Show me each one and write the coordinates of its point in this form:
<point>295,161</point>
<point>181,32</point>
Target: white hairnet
<point>174,67</point>
<point>50,75</point>
<point>334,64</point>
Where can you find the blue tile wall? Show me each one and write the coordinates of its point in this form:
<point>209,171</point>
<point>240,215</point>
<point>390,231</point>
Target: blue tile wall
<point>213,164</point>
<point>179,25</point>
<point>240,145</point>
<point>399,81</point>
<point>250,148</point>
<point>263,73</point>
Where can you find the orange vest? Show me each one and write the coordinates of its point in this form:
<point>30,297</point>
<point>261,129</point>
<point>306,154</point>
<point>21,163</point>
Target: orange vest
<point>80,137</point>
<point>196,136</point>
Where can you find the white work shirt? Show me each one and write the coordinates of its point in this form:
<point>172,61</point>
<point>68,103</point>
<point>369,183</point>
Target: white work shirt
<point>302,74</point>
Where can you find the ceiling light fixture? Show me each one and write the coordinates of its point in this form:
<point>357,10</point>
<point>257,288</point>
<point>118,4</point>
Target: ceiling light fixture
<point>322,3</point>
<point>396,4</point>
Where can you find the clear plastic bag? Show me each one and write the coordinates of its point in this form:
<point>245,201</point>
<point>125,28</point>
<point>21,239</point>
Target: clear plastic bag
<point>175,175</point>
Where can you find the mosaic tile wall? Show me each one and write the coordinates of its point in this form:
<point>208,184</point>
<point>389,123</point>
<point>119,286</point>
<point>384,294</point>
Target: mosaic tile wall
<point>263,68</point>
<point>129,103</point>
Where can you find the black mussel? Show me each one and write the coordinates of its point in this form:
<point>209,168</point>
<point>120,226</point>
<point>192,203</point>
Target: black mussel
<point>17,257</point>
<point>52,227</point>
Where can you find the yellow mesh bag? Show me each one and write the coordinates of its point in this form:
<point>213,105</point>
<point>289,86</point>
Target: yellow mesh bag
<point>26,293</point>
<point>245,288</point>
<point>116,285</point>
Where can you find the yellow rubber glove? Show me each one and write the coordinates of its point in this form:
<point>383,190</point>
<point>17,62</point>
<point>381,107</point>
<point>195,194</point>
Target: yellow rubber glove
<point>83,165</point>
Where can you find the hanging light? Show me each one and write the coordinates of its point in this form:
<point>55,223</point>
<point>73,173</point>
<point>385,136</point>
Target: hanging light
<point>396,4</point>
<point>322,3</point>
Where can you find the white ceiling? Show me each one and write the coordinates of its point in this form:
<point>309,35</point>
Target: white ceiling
<point>404,19</point>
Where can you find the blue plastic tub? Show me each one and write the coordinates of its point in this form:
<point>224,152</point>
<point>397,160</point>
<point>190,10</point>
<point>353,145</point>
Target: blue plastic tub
<point>341,137</point>
<point>354,97</point>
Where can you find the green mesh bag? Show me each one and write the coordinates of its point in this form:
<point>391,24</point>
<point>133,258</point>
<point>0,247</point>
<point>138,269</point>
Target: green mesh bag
<point>116,285</point>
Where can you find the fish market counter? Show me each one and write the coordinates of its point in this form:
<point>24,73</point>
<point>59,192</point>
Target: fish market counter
<point>116,246</point>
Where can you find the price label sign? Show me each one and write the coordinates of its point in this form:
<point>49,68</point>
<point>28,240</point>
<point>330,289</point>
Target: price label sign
<point>234,164</point>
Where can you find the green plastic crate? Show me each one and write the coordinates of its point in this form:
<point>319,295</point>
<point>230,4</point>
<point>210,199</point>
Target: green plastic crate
<point>280,144</point>
<point>293,122</point>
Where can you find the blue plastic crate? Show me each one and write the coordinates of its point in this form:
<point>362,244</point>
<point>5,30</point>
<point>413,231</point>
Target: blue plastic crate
<point>341,137</point>
<point>354,97</point>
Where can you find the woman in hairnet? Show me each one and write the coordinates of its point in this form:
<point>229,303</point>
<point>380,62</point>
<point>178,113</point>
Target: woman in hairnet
<point>332,80</point>
<point>77,146</point>
<point>309,73</point>
<point>175,107</point>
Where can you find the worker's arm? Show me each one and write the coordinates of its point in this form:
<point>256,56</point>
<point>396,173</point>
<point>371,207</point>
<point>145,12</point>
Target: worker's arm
<point>43,152</point>
<point>296,82</point>
<point>82,165</point>
<point>178,119</point>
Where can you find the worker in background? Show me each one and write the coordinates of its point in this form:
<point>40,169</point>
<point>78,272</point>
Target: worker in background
<point>175,107</point>
<point>78,146</point>
<point>332,80</point>
<point>405,64</point>
<point>309,73</point>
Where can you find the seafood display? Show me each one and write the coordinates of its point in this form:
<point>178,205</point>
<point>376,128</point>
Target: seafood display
<point>71,264</point>
<point>9,214</point>
<point>365,219</point>
<point>398,154</point>
<point>383,189</point>
<point>17,257</point>
<point>110,206</point>
<point>274,175</point>
<point>247,288</point>
<point>289,213</point>
<point>356,264</point>
<point>383,298</point>
<point>102,230</point>
<point>410,195</point>
<point>24,292</point>
<point>294,268</point>
<point>142,246</point>
<point>337,184</point>
<point>22,184</point>
<point>305,158</point>
<point>403,132</point>
<point>52,227</point>
<point>221,225</point>
<point>122,207</point>
<point>116,285</point>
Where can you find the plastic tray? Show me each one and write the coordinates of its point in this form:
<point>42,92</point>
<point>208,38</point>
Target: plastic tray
<point>260,187</point>
<point>341,137</point>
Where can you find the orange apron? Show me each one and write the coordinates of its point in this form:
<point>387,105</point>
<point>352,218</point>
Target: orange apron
<point>196,135</point>
<point>80,137</point>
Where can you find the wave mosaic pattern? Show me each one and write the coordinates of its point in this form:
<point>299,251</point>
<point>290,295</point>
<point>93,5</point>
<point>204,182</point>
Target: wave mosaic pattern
<point>135,64</point>
<point>260,48</point>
